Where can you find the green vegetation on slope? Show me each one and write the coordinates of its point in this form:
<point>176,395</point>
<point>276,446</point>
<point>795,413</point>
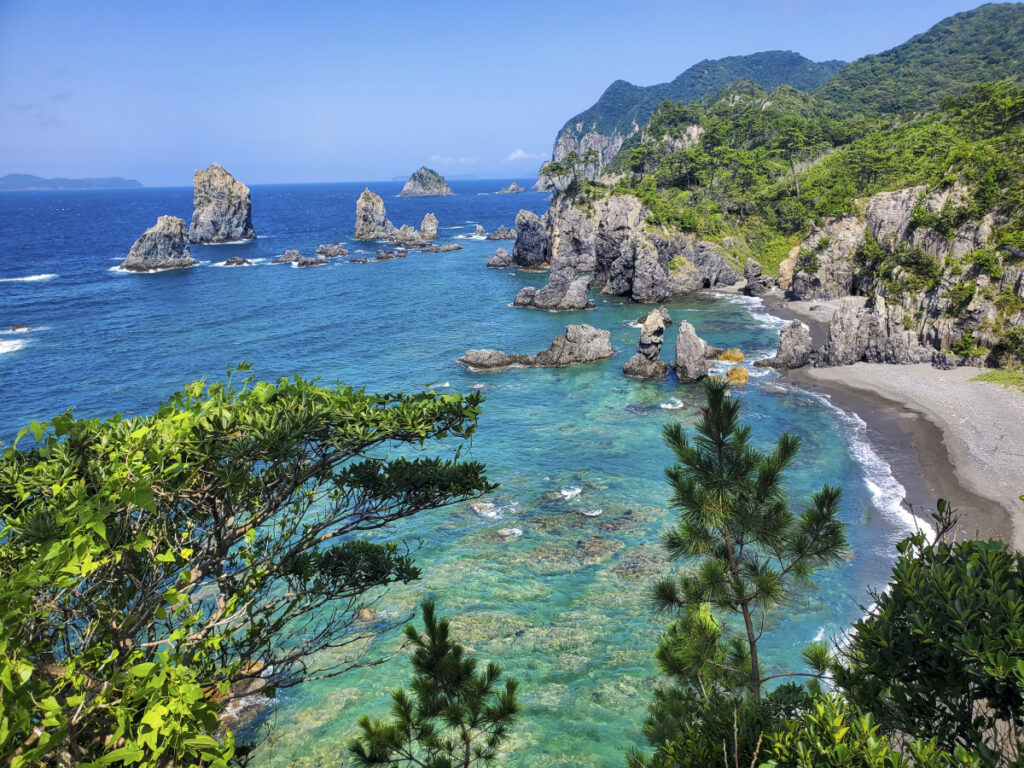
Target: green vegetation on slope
<point>963,50</point>
<point>624,104</point>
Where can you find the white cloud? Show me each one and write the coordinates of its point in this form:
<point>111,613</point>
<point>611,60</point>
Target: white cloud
<point>520,154</point>
<point>441,160</point>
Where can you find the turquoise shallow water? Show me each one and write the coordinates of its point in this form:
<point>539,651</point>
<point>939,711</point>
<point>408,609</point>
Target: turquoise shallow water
<point>563,607</point>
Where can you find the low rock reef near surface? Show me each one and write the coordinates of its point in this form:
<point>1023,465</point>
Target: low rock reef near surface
<point>165,245</point>
<point>221,208</point>
<point>372,223</point>
<point>425,183</point>
<point>580,344</point>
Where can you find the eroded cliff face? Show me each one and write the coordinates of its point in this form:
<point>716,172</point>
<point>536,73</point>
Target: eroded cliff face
<point>580,141</point>
<point>221,209</point>
<point>931,296</point>
<point>610,248</point>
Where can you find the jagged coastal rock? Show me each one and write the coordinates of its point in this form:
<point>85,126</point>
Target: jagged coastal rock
<point>371,218</point>
<point>580,344</point>
<point>479,231</point>
<point>794,348</point>
<point>221,209</point>
<point>162,246</point>
<point>502,233</point>
<point>565,292</point>
<point>511,189</point>
<point>372,223</point>
<point>237,261</point>
<point>531,249</point>
<point>665,316</point>
<point>691,355</point>
<point>758,284</point>
<point>428,227</point>
<point>500,260</point>
<point>645,364</point>
<point>872,334</point>
<point>425,183</point>
<point>290,256</point>
<point>616,247</point>
<point>331,251</point>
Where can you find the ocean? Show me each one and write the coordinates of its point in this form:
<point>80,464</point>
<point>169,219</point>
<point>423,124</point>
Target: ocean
<point>577,452</point>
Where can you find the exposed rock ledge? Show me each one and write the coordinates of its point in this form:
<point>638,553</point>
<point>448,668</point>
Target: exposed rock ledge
<point>580,344</point>
<point>425,183</point>
<point>616,247</point>
<point>372,223</point>
<point>162,246</point>
<point>221,209</point>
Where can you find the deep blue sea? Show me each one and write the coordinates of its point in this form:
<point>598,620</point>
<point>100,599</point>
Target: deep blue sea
<point>564,607</point>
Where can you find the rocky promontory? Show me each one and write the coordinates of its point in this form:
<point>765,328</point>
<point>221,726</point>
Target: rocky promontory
<point>425,183</point>
<point>162,246</point>
<point>612,243</point>
<point>511,189</point>
<point>372,223</point>
<point>580,344</point>
<point>221,210</point>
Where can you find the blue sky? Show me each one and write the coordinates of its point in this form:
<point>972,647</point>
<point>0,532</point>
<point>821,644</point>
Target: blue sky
<point>346,91</point>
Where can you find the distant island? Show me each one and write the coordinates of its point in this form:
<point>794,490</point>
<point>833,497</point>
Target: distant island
<point>20,182</point>
<point>425,182</point>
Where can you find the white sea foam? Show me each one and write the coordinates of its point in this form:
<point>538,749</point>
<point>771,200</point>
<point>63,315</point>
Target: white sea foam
<point>672,405</point>
<point>755,306</point>
<point>29,279</point>
<point>886,491</point>
<point>486,510</point>
<point>571,493</point>
<point>11,346</point>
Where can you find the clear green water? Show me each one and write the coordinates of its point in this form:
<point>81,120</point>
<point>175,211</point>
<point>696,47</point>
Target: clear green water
<point>565,606</point>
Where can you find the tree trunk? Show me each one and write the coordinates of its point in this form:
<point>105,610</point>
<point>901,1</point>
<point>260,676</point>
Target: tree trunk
<point>755,667</point>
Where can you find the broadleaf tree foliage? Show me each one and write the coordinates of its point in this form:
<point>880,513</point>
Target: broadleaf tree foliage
<point>154,569</point>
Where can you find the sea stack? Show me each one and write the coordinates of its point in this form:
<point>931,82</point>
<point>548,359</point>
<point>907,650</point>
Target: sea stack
<point>691,355</point>
<point>162,246</point>
<point>371,218</point>
<point>425,183</point>
<point>645,363</point>
<point>221,210</point>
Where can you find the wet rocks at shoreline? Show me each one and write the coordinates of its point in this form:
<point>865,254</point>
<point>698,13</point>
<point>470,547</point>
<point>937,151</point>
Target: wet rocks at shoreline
<point>502,233</point>
<point>580,344</point>
<point>165,245</point>
<point>794,350</point>
<point>565,292</point>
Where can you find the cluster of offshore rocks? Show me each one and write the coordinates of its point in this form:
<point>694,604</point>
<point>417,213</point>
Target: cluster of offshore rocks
<point>221,213</point>
<point>693,356</point>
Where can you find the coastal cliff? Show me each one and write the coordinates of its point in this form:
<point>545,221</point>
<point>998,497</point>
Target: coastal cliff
<point>221,209</point>
<point>609,247</point>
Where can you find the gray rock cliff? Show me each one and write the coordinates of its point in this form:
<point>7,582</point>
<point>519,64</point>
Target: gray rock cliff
<point>162,246</point>
<point>691,355</point>
<point>221,209</point>
<point>794,349</point>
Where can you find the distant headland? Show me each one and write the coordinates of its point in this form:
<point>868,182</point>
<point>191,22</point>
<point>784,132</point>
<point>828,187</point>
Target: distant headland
<point>20,182</point>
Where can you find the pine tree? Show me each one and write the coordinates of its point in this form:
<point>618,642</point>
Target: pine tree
<point>454,716</point>
<point>749,549</point>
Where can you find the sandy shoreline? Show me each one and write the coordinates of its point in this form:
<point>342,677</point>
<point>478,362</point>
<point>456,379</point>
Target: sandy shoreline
<point>944,435</point>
